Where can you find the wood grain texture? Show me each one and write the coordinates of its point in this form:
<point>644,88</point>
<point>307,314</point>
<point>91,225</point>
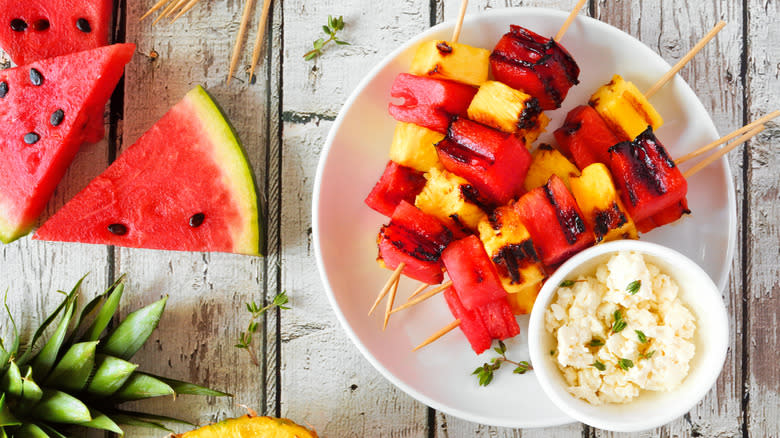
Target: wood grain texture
<point>762,382</point>
<point>325,380</point>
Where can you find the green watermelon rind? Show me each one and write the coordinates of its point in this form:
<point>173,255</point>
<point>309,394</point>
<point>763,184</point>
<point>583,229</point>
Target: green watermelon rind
<point>231,158</point>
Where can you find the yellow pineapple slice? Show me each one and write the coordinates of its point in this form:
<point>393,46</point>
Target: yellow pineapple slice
<point>504,108</point>
<point>413,146</point>
<point>595,193</point>
<point>546,162</point>
<point>451,199</point>
<point>251,426</point>
<point>625,109</point>
<point>530,135</point>
<point>453,61</point>
<point>509,245</point>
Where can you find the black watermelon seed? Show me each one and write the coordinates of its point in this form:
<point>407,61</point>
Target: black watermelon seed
<point>31,138</point>
<point>3,89</point>
<point>18,25</point>
<point>197,219</point>
<point>36,77</point>
<point>57,117</point>
<point>118,229</point>
<point>41,24</point>
<point>83,25</point>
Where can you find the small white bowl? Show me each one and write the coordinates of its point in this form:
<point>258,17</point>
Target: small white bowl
<point>651,408</point>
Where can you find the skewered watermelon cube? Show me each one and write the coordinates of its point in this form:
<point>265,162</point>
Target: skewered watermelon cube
<point>452,200</point>
<point>397,183</point>
<point>508,244</point>
<point>647,178</point>
<point>502,107</point>
<point>604,212</point>
<point>625,109</point>
<point>666,216</point>
<point>416,239</point>
<point>413,146</point>
<point>494,162</point>
<point>429,102</point>
<point>556,224</point>
<point>547,161</point>
<point>470,322</point>
<point>472,273</point>
<point>498,319</point>
<point>585,137</point>
<point>453,61</point>
<point>539,66</point>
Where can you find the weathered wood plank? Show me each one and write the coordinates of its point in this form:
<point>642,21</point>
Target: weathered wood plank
<point>325,381</point>
<point>206,311</point>
<point>671,32</point>
<point>763,229</point>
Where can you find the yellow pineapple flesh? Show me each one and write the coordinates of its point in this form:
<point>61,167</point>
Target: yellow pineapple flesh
<point>251,426</point>
<point>502,107</point>
<point>595,193</point>
<point>413,146</point>
<point>450,199</point>
<point>546,162</point>
<point>625,109</point>
<point>531,135</point>
<point>454,61</point>
<point>509,246</point>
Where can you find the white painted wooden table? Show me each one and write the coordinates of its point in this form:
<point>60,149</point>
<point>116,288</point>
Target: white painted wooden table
<point>309,370</point>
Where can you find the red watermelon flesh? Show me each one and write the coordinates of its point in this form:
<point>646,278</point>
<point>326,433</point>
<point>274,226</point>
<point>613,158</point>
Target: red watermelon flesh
<point>184,185</point>
<point>34,153</point>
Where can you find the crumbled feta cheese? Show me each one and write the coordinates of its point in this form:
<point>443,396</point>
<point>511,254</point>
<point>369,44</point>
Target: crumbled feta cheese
<point>586,311</point>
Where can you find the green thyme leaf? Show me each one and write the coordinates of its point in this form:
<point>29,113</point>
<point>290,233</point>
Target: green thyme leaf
<point>619,323</point>
<point>648,355</point>
<point>595,342</point>
<point>566,283</point>
<point>641,336</point>
<point>599,366</point>
<point>625,364</point>
<point>522,367</point>
<point>634,286</point>
<point>330,29</point>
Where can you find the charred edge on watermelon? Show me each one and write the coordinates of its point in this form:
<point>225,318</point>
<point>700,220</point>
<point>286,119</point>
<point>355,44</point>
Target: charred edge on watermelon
<point>609,219</point>
<point>414,245</point>
<point>571,223</point>
<point>642,166</point>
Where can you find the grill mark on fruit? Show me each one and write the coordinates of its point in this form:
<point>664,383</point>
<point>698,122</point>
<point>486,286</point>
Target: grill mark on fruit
<point>3,89</point>
<point>36,77</point>
<point>18,25</point>
<point>83,25</point>
<point>444,48</point>
<point>571,128</point>
<point>196,220</point>
<point>514,257</point>
<point>528,118</point>
<point>424,248</point>
<point>569,220</point>
<point>471,194</point>
<point>117,229</point>
<point>57,117</point>
<point>606,220</point>
<point>31,138</point>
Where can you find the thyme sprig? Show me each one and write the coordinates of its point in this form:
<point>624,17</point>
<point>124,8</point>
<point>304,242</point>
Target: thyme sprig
<point>245,338</point>
<point>485,372</point>
<point>331,29</point>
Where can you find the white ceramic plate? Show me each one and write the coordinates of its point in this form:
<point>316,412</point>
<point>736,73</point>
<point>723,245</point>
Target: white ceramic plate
<point>345,229</point>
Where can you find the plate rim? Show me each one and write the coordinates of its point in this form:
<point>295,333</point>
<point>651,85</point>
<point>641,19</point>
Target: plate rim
<point>324,153</point>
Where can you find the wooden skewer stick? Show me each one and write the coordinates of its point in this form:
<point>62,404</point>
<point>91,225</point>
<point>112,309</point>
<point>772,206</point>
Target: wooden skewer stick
<point>240,39</point>
<point>168,10</point>
<point>459,24</point>
<point>685,59</point>
<point>154,8</point>
<point>259,37</point>
<point>569,20</point>
<point>444,330</point>
<point>393,278</point>
<point>728,137</point>
<point>418,291</point>
<point>390,301</point>
<point>191,4</point>
<point>422,298</point>
<point>707,161</point>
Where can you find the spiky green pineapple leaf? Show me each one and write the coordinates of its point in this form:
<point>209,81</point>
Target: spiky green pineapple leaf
<point>11,383</point>
<point>132,333</point>
<point>134,421</point>
<point>191,388</point>
<point>110,374</point>
<point>140,386</point>
<point>52,432</point>
<point>103,422</point>
<point>107,311</point>
<point>7,354</point>
<point>43,362</point>
<point>73,370</point>
<point>29,430</point>
<point>31,392</point>
<point>60,407</point>
<point>6,417</point>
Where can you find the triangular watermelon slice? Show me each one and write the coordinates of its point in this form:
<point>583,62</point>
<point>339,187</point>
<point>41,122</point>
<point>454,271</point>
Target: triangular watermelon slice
<point>43,109</point>
<point>184,185</point>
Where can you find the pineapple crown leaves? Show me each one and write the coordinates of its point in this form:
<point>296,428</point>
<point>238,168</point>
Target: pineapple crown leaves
<point>79,368</point>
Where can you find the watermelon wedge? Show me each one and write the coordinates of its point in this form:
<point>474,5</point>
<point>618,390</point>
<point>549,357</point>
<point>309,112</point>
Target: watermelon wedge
<point>184,185</point>
<point>43,109</point>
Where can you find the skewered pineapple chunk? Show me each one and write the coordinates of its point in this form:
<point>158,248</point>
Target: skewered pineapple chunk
<point>453,61</point>
<point>548,161</point>
<point>413,146</point>
<point>600,204</point>
<point>451,199</point>
<point>504,108</point>
<point>509,245</point>
<point>625,109</point>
